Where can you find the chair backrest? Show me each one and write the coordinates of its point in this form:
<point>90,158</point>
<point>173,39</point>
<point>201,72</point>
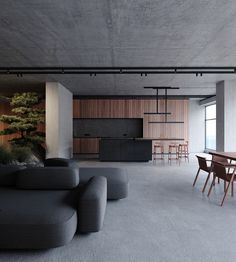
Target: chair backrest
<point>219,159</point>
<point>219,170</point>
<point>202,163</point>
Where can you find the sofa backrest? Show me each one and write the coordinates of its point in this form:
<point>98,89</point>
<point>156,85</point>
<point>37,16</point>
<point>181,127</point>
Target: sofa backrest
<point>61,178</point>
<point>8,175</point>
<point>61,162</point>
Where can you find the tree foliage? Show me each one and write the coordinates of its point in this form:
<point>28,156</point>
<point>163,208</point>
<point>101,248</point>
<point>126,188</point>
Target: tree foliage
<point>24,120</point>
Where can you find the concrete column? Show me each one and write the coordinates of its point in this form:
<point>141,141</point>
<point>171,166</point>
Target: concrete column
<point>196,127</point>
<point>226,116</point>
<point>59,121</point>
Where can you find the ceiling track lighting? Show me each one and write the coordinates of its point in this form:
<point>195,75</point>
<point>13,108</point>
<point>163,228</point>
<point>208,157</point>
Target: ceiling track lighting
<point>198,74</point>
<point>198,71</point>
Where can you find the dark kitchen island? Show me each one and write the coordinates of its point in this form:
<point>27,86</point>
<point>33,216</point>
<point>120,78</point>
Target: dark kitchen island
<point>125,149</point>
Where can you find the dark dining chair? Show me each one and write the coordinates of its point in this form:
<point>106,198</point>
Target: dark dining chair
<point>218,159</point>
<point>223,171</point>
<point>202,162</point>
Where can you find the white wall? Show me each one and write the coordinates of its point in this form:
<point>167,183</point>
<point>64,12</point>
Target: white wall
<point>225,116</point>
<point>220,116</point>
<point>59,120</point>
<point>196,127</point>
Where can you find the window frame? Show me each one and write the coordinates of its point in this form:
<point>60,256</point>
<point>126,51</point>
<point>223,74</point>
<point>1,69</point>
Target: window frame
<point>210,119</point>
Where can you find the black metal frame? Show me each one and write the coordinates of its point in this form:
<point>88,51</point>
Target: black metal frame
<point>157,88</point>
<point>143,71</point>
<point>157,105</point>
<point>146,97</point>
<point>167,122</point>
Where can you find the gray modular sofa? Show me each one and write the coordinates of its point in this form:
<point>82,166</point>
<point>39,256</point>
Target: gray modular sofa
<point>44,207</point>
<point>117,178</point>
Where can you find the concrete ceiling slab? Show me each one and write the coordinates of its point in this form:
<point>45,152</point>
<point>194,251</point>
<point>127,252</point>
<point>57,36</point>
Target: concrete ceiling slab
<point>118,33</point>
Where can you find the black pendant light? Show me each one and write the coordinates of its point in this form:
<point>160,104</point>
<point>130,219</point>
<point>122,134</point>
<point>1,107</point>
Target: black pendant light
<point>165,113</point>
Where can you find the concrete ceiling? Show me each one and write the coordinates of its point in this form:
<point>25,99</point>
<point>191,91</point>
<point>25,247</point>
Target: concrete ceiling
<point>118,33</point>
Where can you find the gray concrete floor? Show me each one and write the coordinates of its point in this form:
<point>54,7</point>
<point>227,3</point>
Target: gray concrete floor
<point>163,219</point>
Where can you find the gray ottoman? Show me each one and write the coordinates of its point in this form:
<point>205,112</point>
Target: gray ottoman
<point>117,180</point>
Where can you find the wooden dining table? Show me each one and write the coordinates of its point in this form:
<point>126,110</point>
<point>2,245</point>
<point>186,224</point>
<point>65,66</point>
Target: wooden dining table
<point>227,155</point>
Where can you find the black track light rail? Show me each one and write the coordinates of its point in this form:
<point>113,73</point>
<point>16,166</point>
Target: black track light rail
<point>143,71</point>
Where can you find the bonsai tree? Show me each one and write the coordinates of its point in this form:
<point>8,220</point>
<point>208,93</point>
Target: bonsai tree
<point>24,121</point>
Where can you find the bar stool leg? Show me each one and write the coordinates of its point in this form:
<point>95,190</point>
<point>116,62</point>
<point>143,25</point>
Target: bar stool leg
<point>169,155</point>
<point>154,155</point>
<point>179,153</point>
<point>176,152</point>
<point>162,152</point>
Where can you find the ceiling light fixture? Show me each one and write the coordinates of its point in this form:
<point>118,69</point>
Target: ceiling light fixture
<point>117,70</point>
<point>165,113</point>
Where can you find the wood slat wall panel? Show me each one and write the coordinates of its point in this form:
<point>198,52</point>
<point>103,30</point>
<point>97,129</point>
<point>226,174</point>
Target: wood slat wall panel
<point>133,108</point>
<point>76,108</point>
<point>76,146</point>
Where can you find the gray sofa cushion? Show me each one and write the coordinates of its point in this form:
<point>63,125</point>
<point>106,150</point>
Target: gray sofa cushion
<point>117,180</point>
<point>48,178</point>
<point>92,205</point>
<point>8,175</point>
<point>31,219</point>
<point>61,162</point>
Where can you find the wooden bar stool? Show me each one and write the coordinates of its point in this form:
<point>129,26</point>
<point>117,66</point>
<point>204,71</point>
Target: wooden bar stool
<point>158,150</point>
<point>173,152</point>
<point>183,151</point>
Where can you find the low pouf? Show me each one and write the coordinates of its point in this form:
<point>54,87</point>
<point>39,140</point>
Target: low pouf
<point>117,180</point>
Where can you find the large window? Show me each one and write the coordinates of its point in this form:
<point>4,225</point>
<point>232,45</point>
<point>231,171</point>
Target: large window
<point>210,127</point>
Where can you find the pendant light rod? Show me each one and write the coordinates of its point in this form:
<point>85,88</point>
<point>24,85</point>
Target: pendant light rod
<point>157,88</point>
<point>160,87</point>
